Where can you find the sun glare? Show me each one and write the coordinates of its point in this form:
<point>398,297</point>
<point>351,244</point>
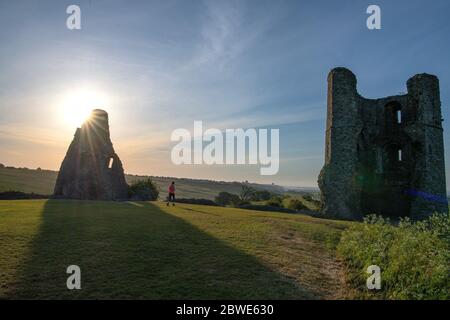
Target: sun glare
<point>76,106</point>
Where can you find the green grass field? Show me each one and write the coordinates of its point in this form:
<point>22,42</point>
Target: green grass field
<point>147,250</point>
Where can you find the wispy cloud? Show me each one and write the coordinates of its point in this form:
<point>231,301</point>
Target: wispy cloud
<point>35,135</point>
<point>220,33</point>
<point>230,63</point>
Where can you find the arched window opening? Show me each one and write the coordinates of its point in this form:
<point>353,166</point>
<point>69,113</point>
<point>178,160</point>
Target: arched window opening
<point>399,116</point>
<point>110,163</point>
<point>396,156</point>
<point>379,161</point>
<point>394,115</point>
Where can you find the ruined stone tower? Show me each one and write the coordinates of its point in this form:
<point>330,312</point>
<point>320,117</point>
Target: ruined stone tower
<point>91,169</point>
<point>383,156</point>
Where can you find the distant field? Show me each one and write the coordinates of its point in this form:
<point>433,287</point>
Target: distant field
<point>148,250</point>
<point>27,180</point>
<point>43,182</point>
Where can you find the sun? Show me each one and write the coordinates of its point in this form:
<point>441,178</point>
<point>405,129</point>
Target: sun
<point>76,105</point>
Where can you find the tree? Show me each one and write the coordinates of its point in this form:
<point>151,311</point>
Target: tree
<point>226,198</point>
<point>246,193</point>
<point>143,190</point>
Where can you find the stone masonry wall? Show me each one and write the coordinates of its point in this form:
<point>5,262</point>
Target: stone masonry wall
<point>383,156</point>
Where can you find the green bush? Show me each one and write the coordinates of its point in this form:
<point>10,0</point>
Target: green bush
<point>260,195</point>
<point>275,201</point>
<point>295,204</point>
<point>414,257</point>
<point>205,202</point>
<point>226,198</point>
<point>259,207</point>
<point>144,190</point>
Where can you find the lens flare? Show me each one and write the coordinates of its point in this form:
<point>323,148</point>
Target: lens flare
<point>76,105</point>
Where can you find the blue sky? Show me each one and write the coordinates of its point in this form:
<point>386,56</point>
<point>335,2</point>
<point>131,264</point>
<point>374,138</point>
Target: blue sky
<point>163,64</point>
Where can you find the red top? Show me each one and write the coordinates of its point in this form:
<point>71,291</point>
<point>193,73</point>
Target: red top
<point>172,188</point>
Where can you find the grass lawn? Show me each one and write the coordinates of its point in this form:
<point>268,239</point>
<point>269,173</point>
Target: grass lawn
<point>147,250</point>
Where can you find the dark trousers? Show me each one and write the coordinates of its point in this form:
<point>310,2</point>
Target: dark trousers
<point>171,196</point>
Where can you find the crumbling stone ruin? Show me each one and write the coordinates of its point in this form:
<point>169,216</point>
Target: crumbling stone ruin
<point>383,156</point>
<point>91,169</point>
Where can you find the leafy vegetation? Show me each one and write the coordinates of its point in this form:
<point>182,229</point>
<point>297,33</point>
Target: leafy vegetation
<point>266,207</point>
<point>295,204</point>
<point>205,202</point>
<point>17,195</point>
<point>246,193</point>
<point>261,195</point>
<point>263,200</point>
<point>414,257</point>
<point>143,190</point>
<point>226,199</point>
<point>309,198</point>
<point>275,201</point>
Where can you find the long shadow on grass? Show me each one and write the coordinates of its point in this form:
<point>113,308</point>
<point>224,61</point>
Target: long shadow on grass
<point>139,252</point>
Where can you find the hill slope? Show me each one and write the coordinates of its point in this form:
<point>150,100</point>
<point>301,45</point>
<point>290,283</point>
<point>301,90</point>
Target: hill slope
<point>43,182</point>
<point>148,250</point>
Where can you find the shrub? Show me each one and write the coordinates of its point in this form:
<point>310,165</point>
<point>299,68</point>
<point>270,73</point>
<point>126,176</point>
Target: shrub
<point>275,201</point>
<point>295,204</point>
<point>414,257</point>
<point>143,190</point>
<point>226,198</point>
<point>17,195</point>
<point>260,195</point>
<point>265,208</point>
<point>206,202</point>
